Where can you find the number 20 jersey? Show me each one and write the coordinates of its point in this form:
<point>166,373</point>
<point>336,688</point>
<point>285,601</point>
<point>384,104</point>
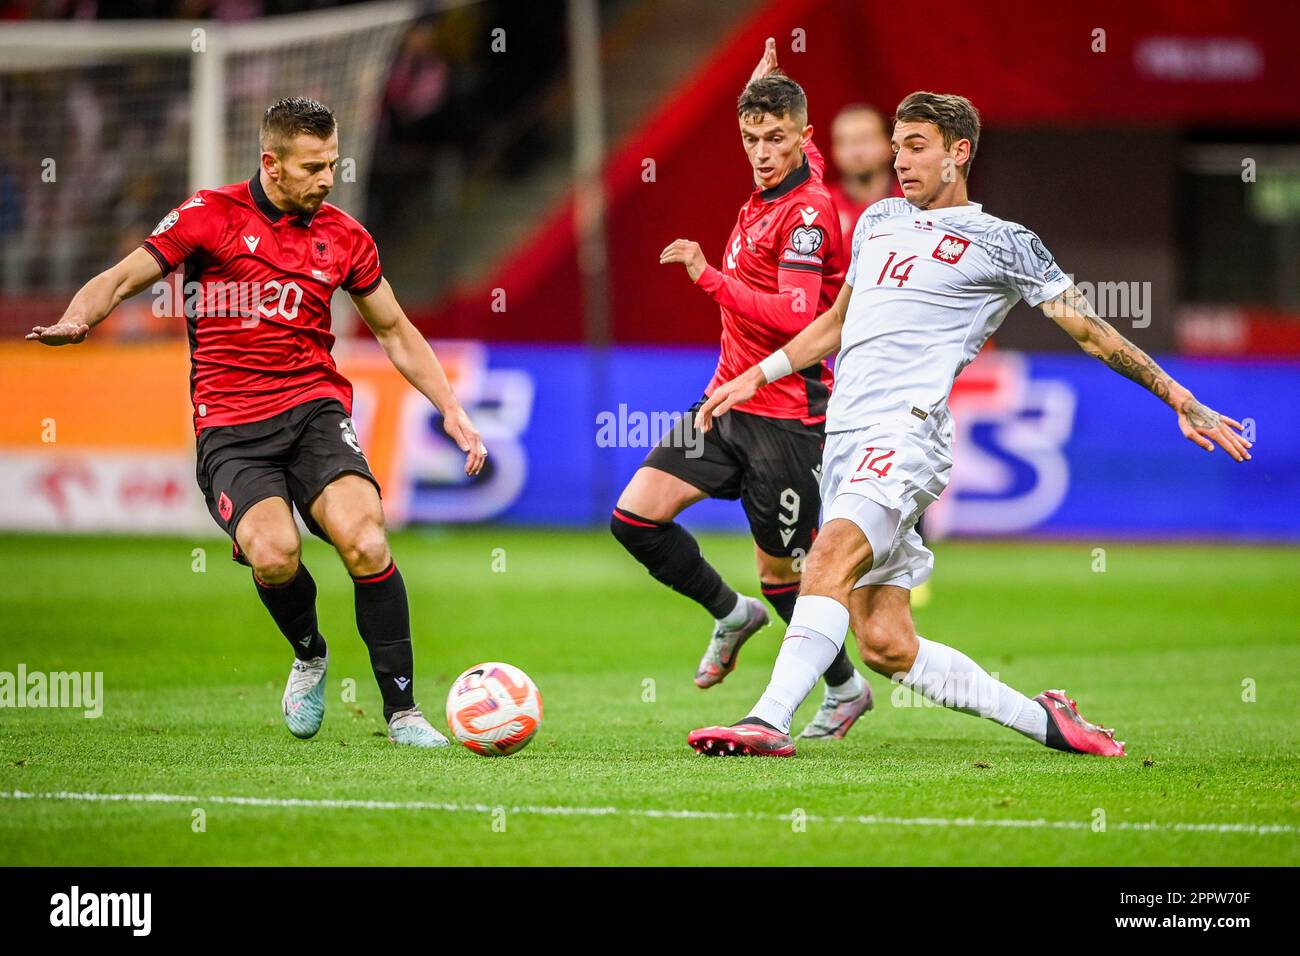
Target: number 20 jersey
<point>929,288</point>
<point>258,283</point>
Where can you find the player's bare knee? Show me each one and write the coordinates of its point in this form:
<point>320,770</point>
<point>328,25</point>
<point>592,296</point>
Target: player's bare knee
<point>654,495</point>
<point>364,548</point>
<point>275,558</point>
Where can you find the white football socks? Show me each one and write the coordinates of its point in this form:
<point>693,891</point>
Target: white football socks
<point>815,635</point>
<point>947,676</point>
<point>848,690</point>
<point>738,616</point>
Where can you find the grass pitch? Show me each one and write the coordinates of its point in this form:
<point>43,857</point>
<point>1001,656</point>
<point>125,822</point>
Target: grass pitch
<point>1193,653</point>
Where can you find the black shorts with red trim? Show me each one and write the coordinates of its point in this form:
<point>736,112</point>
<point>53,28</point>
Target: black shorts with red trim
<point>292,456</point>
<point>773,465</point>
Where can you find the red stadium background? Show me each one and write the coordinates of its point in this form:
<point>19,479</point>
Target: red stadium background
<point>1083,143</point>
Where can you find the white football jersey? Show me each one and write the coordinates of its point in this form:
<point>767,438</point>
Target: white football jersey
<point>929,288</point>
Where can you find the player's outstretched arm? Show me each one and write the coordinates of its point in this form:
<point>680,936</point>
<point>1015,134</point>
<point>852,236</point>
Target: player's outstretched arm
<point>411,355</point>
<point>820,338</point>
<point>98,297</point>
<point>1198,423</point>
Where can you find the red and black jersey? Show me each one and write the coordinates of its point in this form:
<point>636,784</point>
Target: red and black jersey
<point>258,283</point>
<point>783,266</point>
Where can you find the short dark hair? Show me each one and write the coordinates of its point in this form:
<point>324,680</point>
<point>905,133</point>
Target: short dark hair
<point>955,116</point>
<point>286,118</point>
<point>776,94</point>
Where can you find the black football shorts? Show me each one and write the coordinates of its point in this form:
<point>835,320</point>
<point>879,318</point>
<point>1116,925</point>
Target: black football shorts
<point>773,465</point>
<point>293,456</point>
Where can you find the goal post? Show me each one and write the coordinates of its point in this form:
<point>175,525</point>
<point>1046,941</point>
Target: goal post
<point>107,124</point>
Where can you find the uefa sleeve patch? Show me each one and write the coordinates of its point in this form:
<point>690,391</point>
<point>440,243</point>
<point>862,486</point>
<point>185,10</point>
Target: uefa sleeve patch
<point>166,223</point>
<point>806,240</point>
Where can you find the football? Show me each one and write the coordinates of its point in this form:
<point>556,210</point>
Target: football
<point>494,709</point>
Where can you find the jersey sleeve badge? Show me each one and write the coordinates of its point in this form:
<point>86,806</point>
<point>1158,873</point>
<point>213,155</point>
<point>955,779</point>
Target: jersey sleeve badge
<point>807,239</point>
<point>165,223</point>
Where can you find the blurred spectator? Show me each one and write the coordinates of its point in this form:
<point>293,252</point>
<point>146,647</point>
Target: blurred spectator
<point>861,153</point>
<point>414,128</point>
<point>417,86</point>
<point>11,224</point>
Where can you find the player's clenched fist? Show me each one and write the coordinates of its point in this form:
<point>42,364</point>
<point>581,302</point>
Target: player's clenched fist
<point>63,333</point>
<point>462,431</point>
<point>688,254</point>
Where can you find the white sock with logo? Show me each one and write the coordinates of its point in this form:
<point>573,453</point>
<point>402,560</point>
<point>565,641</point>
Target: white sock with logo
<point>946,676</point>
<point>815,635</point>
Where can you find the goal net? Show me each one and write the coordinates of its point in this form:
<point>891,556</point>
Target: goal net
<point>104,126</point>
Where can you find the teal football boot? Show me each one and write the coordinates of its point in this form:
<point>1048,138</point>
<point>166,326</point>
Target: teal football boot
<point>304,697</point>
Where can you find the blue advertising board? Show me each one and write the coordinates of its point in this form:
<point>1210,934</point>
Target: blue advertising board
<point>1046,445</point>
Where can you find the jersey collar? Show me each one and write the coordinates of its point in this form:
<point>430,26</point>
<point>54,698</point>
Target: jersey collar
<point>950,212</point>
<point>789,184</point>
<point>268,208</point>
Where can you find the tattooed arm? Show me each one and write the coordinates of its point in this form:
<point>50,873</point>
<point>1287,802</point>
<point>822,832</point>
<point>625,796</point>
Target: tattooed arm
<point>1198,423</point>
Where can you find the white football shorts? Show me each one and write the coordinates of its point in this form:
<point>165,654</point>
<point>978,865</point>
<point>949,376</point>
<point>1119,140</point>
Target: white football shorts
<point>882,478</point>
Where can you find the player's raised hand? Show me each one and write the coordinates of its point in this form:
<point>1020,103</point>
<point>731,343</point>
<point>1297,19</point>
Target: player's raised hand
<point>1208,428</point>
<point>728,394</point>
<point>462,431</point>
<point>767,62</point>
<point>62,333</point>
<point>688,254</point>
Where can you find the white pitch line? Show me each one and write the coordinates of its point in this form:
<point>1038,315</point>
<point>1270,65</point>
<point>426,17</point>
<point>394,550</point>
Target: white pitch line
<point>562,811</point>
